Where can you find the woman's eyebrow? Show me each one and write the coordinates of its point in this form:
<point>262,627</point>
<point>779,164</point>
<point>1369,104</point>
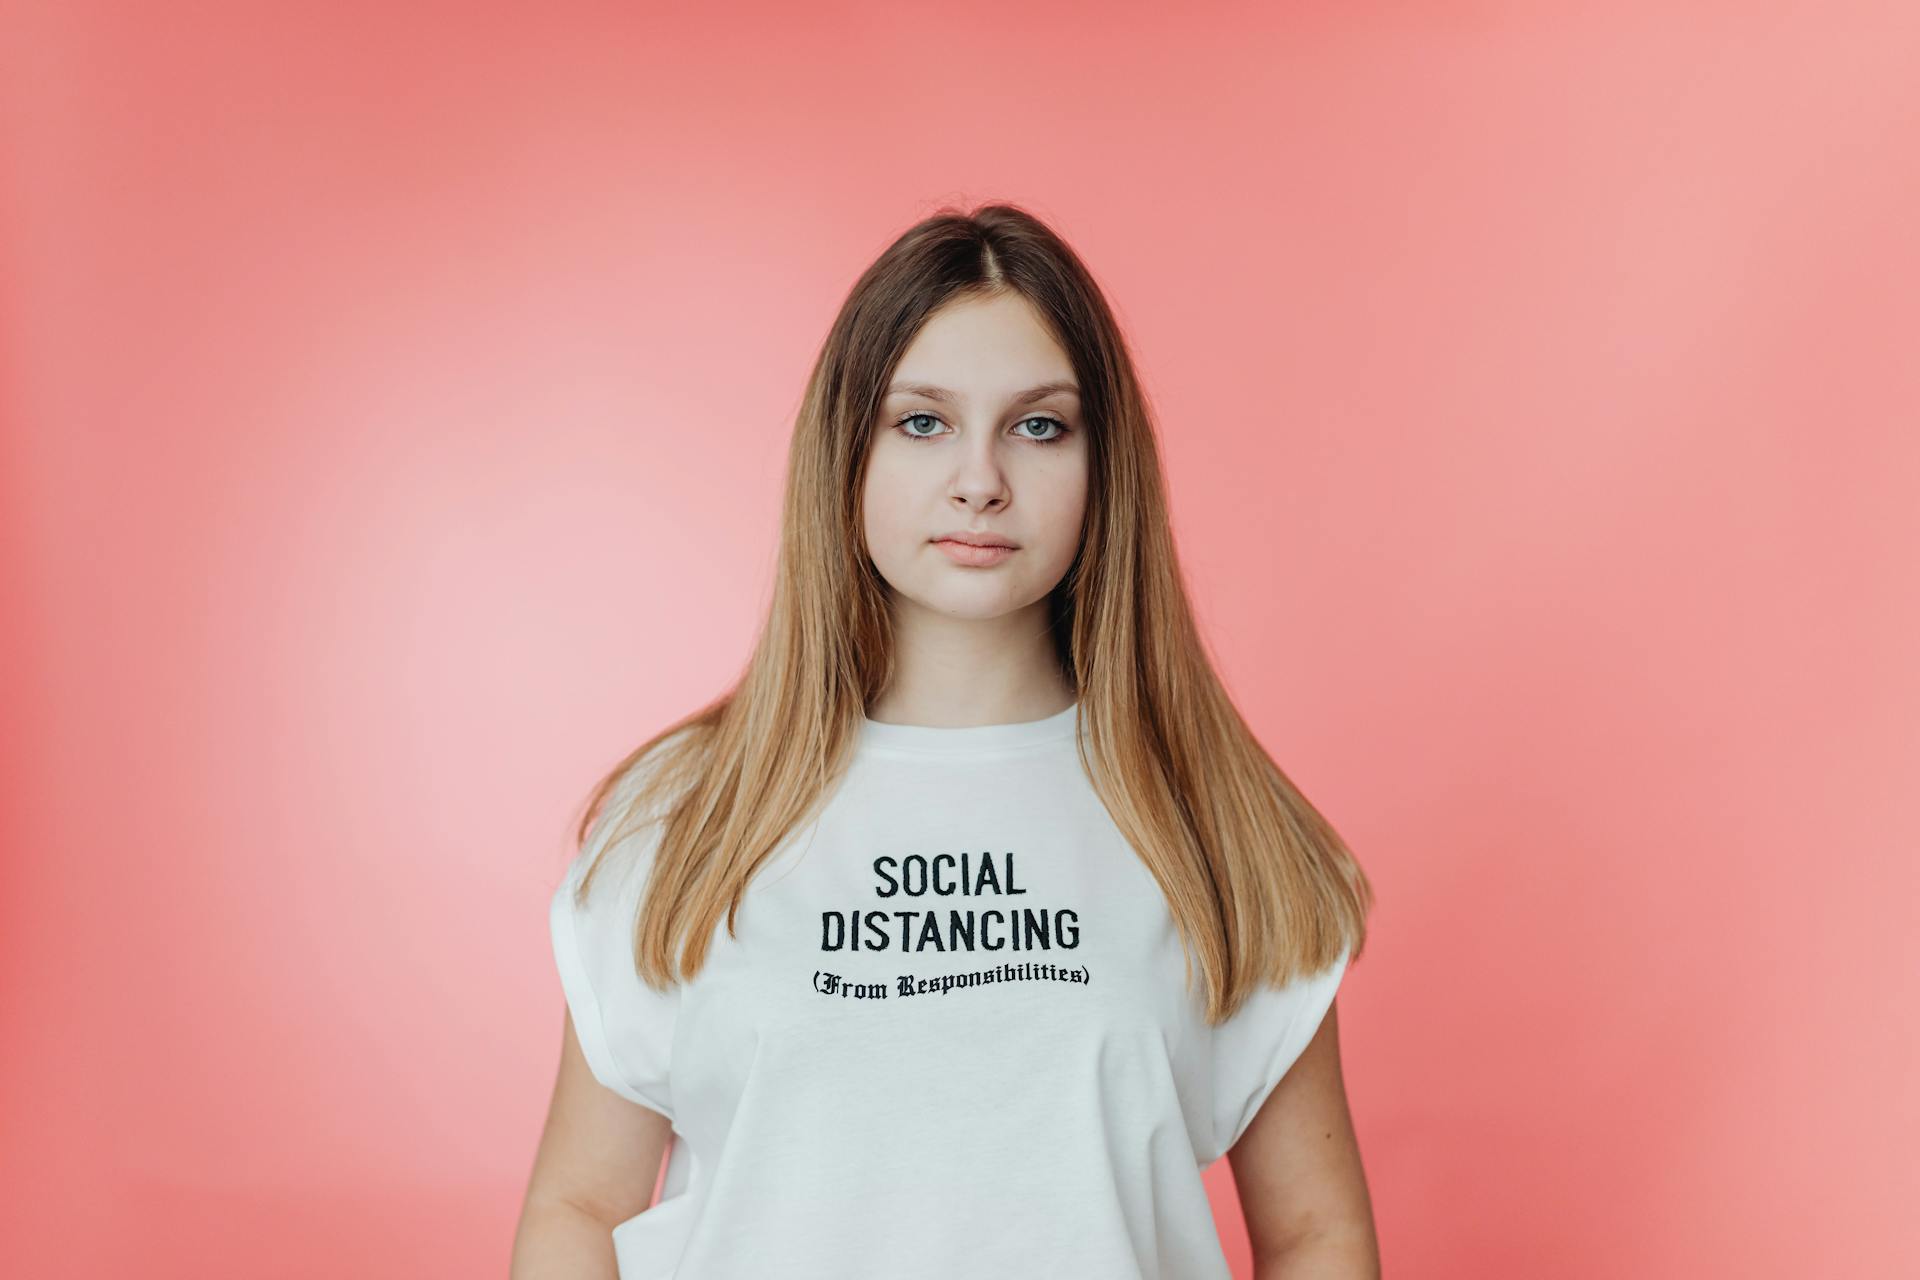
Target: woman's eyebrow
<point>945,396</point>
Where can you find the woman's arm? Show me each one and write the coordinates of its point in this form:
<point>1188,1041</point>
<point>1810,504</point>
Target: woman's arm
<point>1302,1189</point>
<point>597,1164</point>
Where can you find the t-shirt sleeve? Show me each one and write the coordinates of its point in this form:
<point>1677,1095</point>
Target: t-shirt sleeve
<point>625,1028</point>
<point>1253,1049</point>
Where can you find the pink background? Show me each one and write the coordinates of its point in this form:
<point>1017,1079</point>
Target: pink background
<point>395,403</point>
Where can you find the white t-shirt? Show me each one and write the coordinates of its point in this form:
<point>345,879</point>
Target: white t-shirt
<point>950,1039</point>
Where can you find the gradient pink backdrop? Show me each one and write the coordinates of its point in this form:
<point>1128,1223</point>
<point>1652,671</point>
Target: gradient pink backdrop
<point>395,402</point>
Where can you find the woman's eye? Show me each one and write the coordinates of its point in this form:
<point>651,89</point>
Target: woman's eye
<point>906,423</point>
<point>1060,429</point>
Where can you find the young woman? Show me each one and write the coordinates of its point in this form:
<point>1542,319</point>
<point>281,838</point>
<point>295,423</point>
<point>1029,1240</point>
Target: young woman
<point>963,933</point>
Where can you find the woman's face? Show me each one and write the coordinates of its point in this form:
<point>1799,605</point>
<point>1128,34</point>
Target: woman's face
<point>964,445</point>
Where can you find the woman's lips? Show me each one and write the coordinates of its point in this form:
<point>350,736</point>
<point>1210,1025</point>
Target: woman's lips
<point>977,557</point>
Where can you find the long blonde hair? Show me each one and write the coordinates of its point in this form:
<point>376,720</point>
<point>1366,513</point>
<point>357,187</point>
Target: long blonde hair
<point>1258,883</point>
